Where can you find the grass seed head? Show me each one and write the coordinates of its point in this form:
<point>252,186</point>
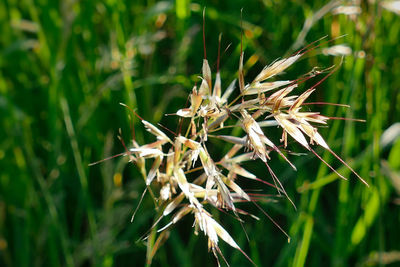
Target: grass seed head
<point>213,182</point>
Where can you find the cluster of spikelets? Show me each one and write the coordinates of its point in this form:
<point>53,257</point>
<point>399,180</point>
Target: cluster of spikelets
<point>177,160</point>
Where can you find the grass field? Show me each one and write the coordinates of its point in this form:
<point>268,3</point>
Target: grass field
<point>66,65</point>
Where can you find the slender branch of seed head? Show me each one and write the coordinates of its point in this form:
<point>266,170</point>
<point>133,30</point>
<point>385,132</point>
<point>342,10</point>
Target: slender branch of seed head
<point>189,127</point>
<point>221,128</point>
<point>236,99</point>
<point>194,169</point>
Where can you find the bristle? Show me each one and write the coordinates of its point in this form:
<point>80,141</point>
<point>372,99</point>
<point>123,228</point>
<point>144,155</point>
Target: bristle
<point>272,220</point>
<point>138,205</point>
<point>108,158</point>
<point>346,119</point>
<point>241,31</point>
<point>240,73</point>
<point>327,164</point>
<point>204,33</point>
<point>219,51</point>
<point>165,128</point>
<point>326,103</point>
<point>123,144</point>
<point>307,48</point>
<point>133,112</point>
<point>348,166</point>
<point>281,188</point>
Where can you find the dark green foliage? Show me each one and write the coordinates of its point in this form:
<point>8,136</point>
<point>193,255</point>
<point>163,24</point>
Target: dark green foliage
<point>65,66</point>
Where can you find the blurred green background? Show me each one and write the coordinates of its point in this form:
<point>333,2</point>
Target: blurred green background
<point>65,66</point>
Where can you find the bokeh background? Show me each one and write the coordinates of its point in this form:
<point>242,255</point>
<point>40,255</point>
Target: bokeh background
<point>66,65</point>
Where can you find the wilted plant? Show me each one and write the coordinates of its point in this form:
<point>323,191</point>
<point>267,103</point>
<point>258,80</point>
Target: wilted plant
<point>189,178</point>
